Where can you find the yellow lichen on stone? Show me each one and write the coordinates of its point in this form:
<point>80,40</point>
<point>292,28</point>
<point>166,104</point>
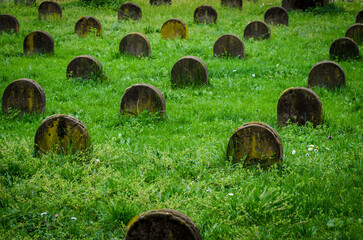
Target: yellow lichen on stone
<point>174,29</point>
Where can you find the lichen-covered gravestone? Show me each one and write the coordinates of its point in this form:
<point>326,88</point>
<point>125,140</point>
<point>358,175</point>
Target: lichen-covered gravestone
<point>129,10</point>
<point>140,98</point>
<point>205,14</point>
<point>174,28</point>
<point>359,17</point>
<point>276,15</point>
<point>162,224</point>
<point>49,10</point>
<point>328,74</point>
<point>135,44</point>
<point>8,23</point>
<point>38,42</point>
<point>229,45</point>
<point>255,143</point>
<point>62,134</point>
<point>344,49</point>
<point>189,70</point>
<point>355,32</point>
<point>160,2</point>
<point>302,4</point>
<point>257,30</point>
<point>24,95</point>
<point>299,105</point>
<point>232,3</point>
<point>87,24</point>
<point>84,67</point>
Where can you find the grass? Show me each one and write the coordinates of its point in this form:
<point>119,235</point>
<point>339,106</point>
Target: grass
<point>179,162</point>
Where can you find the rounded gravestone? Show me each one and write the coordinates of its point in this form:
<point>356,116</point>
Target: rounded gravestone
<point>84,67</point>
<point>276,15</point>
<point>140,98</point>
<point>129,10</point>
<point>189,70</point>
<point>359,17</point>
<point>302,4</point>
<point>49,10</point>
<point>257,30</point>
<point>135,44</point>
<point>255,143</point>
<point>25,95</point>
<point>8,23</point>
<point>205,14</point>
<point>229,45</point>
<point>344,49</point>
<point>61,134</point>
<point>328,74</point>
<point>87,24</point>
<point>232,3</point>
<point>299,105</point>
<point>174,28</point>
<point>355,32</point>
<point>162,224</point>
<point>160,2</point>
<point>38,42</point>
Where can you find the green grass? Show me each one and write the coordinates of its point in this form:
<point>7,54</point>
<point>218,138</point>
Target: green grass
<point>179,162</point>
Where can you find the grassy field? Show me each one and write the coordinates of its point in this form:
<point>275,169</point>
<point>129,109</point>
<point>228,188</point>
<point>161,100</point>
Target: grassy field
<point>180,162</point>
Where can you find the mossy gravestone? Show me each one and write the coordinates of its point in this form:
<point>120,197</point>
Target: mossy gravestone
<point>229,45</point>
<point>302,4</point>
<point>299,105</point>
<point>84,67</point>
<point>359,17</point>
<point>162,224</point>
<point>328,74</point>
<point>255,143</point>
<point>8,23</point>
<point>174,28</point>
<point>49,10</point>
<point>205,14</point>
<point>129,10</point>
<point>62,134</point>
<point>232,3</point>
<point>344,49</point>
<point>277,16</point>
<point>38,42</point>
<point>189,71</point>
<point>85,25</point>
<point>355,32</point>
<point>160,2</point>
<point>257,30</point>
<point>141,98</point>
<point>135,44</point>
<point>24,95</point>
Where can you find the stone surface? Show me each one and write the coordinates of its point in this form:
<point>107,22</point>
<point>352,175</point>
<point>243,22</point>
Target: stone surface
<point>143,97</point>
<point>8,23</point>
<point>160,2</point>
<point>359,17</point>
<point>355,32</point>
<point>205,14</point>
<point>232,3</point>
<point>189,70</point>
<point>276,15</point>
<point>163,224</point>
<point>135,44</point>
<point>129,10</point>
<point>229,45</point>
<point>299,105</point>
<point>328,74</point>
<point>302,4</point>
<point>257,30</point>
<point>174,28</point>
<point>84,67</point>
<point>61,134</point>
<point>38,42</point>
<point>344,49</point>
<point>87,24</point>
<point>255,143</point>
<point>49,10</point>
<point>24,95</point>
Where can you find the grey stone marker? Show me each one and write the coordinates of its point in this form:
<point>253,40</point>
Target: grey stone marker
<point>344,49</point>
<point>232,3</point>
<point>39,42</point>
<point>162,224</point>
<point>25,95</point>
<point>302,4</point>
<point>160,2</point>
<point>205,14</point>
<point>359,17</point>
<point>355,32</point>
<point>328,74</point>
<point>189,70</point>
<point>85,25</point>
<point>8,23</point>
<point>135,44</point>
<point>299,105</point>
<point>84,67</point>
<point>276,15</point>
<point>49,10</point>
<point>229,45</point>
<point>129,10</point>
<point>257,30</point>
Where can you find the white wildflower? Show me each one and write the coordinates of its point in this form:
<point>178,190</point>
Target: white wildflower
<point>234,71</point>
<point>293,152</point>
<point>73,218</point>
<point>230,194</point>
<point>253,75</point>
<point>43,213</point>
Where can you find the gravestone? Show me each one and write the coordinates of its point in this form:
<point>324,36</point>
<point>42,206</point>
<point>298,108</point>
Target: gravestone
<point>61,134</point>
<point>255,143</point>
<point>299,105</point>
<point>189,70</point>
<point>232,3</point>
<point>276,15</point>
<point>160,2</point>
<point>38,42</point>
<point>24,95</point>
<point>174,28</point>
<point>129,10</point>
<point>84,67</point>
<point>135,44</point>
<point>229,45</point>
<point>328,74</point>
<point>162,224</point>
<point>205,14</point>
<point>8,23</point>
<point>359,17</point>
<point>257,30</point>
<point>344,49</point>
<point>87,24</point>
<point>355,32</point>
<point>143,97</point>
<point>302,4</point>
<point>49,10</point>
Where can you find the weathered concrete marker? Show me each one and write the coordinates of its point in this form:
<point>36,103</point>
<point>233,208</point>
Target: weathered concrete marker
<point>328,74</point>
<point>344,49</point>
<point>355,32</point>
<point>276,15</point>
<point>232,3</point>
<point>229,45</point>
<point>8,23</point>
<point>84,67</point>
<point>189,70</point>
<point>85,25</point>
<point>49,10</point>
<point>205,14</point>
<point>302,4</point>
<point>160,2</point>
<point>38,42</point>
<point>174,28</point>
<point>135,44</point>
<point>257,30</point>
<point>129,10</point>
